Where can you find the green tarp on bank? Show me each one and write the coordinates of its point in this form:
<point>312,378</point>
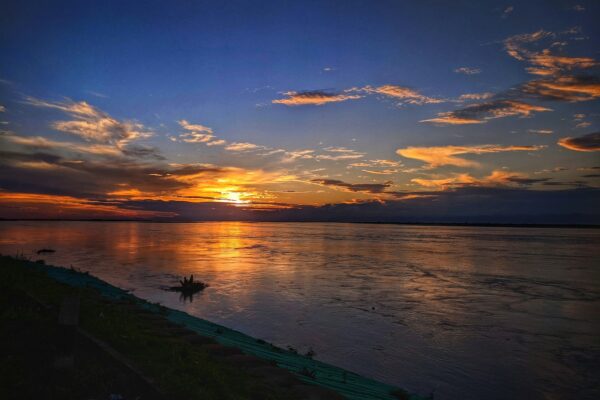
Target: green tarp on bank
<point>348,384</point>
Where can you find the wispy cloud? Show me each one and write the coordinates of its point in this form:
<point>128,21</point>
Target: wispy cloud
<point>339,153</point>
<point>507,11</point>
<point>196,133</point>
<point>482,112</point>
<point>564,88</point>
<point>401,93</point>
<point>316,98</point>
<point>496,178</point>
<point>381,172</point>
<point>194,127</point>
<point>446,155</point>
<point>242,146</point>
<point>92,124</point>
<point>475,96</point>
<point>544,62</point>
<point>467,71</point>
<point>217,142</point>
<point>587,143</point>
<point>541,131</point>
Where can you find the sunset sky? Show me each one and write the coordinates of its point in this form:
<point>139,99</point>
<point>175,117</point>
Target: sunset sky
<point>341,110</point>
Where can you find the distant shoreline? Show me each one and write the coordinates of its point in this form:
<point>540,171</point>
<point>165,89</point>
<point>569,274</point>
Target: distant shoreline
<point>458,224</point>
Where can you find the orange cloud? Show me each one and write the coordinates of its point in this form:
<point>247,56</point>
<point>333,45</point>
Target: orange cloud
<point>587,143</point>
<point>482,112</point>
<point>496,178</point>
<point>565,88</point>
<point>446,155</point>
<point>408,95</point>
<point>43,205</point>
<point>544,62</point>
<point>316,98</point>
<point>382,172</point>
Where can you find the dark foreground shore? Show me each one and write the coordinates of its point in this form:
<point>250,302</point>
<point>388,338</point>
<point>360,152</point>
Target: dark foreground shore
<point>60,341</point>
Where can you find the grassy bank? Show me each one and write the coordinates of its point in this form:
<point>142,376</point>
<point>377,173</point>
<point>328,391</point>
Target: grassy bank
<point>118,348</point>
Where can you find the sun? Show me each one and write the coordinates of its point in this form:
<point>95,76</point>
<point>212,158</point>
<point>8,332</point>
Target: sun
<point>233,197</point>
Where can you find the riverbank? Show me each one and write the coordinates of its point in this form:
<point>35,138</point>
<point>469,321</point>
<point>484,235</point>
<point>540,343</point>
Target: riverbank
<point>124,346</point>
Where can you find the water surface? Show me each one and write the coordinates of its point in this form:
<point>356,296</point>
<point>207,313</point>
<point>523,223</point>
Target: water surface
<point>465,312</point>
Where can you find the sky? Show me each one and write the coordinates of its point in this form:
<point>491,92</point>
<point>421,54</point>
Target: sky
<point>308,110</point>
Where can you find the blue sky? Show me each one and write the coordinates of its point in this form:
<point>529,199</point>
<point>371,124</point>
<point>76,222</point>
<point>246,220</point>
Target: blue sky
<point>290,104</point>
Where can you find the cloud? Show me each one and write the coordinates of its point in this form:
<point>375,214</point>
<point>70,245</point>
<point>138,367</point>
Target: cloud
<point>40,142</point>
<point>375,188</point>
<point>583,124</point>
<point>290,156</point>
<point>317,98</point>
<point>242,146</point>
<point>139,151</point>
<point>37,165</point>
<point>93,124</point>
<point>33,205</point>
<point>467,71</point>
<point>338,157</point>
<point>405,94</point>
<point>482,112</point>
<point>507,11</point>
<point>194,127</point>
<point>496,178</point>
<point>564,88</point>
<point>587,143</point>
<point>446,155</point>
<point>541,131</point>
<point>97,94</point>
<point>196,133</point>
<point>2,108</point>
<point>339,153</point>
<point>218,142</point>
<point>382,172</point>
<point>475,96</point>
<point>544,62</point>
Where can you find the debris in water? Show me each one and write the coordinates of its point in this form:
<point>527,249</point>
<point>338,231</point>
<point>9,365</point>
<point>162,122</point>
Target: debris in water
<point>42,251</point>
